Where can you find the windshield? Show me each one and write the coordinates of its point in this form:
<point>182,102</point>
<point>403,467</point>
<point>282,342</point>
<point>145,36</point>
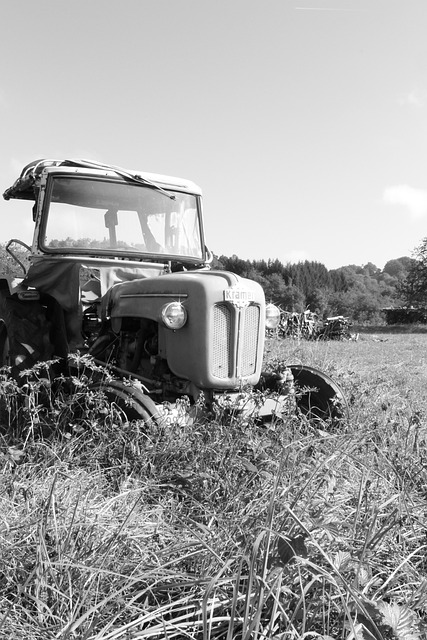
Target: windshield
<point>98,217</point>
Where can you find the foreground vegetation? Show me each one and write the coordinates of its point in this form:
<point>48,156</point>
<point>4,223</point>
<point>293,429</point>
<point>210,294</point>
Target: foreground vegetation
<point>220,529</point>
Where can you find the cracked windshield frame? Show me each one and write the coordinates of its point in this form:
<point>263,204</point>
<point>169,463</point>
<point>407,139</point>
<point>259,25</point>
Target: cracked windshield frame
<point>98,216</point>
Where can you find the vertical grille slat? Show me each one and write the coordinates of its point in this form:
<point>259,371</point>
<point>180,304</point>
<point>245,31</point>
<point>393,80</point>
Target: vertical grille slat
<point>250,340</point>
<point>222,348</point>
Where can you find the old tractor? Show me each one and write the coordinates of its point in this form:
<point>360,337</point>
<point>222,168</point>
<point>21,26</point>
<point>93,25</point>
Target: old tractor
<point>119,270</point>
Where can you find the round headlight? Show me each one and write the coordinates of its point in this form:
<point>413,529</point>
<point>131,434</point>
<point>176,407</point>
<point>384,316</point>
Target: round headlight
<point>272,316</point>
<point>174,315</point>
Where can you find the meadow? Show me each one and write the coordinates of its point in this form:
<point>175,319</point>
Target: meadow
<point>223,529</point>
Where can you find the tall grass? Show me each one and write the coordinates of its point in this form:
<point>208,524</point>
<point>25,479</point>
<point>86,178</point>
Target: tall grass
<point>222,529</point>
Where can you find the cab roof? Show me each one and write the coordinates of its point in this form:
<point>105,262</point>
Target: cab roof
<point>25,186</point>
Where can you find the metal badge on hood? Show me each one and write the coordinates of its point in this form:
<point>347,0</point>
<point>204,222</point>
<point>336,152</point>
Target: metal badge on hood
<point>237,296</point>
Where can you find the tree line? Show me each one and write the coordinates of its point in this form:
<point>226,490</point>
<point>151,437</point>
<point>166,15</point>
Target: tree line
<point>358,292</point>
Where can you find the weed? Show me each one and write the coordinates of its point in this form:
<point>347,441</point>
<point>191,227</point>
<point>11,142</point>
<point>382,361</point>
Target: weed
<point>221,528</point>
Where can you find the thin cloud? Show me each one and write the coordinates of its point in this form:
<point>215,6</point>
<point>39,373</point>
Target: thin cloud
<point>296,256</point>
<point>330,5</point>
<point>415,200</point>
<point>326,9</point>
<point>414,98</point>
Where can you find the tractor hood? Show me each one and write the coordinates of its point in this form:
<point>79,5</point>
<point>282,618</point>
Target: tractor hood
<point>221,342</point>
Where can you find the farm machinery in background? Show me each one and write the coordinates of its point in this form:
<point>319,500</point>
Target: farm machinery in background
<point>307,325</point>
<point>118,271</point>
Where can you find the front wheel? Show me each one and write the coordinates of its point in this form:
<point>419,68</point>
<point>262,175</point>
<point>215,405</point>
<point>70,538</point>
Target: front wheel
<point>134,404</point>
<point>113,402</point>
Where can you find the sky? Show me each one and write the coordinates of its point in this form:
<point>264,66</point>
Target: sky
<point>303,121</point>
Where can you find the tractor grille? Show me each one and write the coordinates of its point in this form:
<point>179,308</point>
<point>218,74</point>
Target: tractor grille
<point>224,351</point>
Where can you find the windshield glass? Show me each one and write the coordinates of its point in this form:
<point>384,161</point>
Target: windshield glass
<point>94,216</point>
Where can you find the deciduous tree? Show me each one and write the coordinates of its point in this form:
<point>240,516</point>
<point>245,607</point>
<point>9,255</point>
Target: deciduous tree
<point>414,288</point>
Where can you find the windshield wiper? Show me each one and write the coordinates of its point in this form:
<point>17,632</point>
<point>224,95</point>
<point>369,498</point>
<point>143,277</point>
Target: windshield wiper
<point>89,164</point>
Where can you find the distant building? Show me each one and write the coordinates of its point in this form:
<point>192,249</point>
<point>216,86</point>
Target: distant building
<point>405,315</point>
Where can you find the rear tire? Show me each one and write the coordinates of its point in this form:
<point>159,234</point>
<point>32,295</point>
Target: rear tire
<point>318,396</point>
<point>24,334</point>
<point>4,345</point>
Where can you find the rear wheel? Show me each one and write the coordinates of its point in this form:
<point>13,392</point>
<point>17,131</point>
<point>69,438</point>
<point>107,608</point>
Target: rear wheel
<point>24,334</point>
<point>24,341</point>
<point>4,345</point>
<point>318,396</point>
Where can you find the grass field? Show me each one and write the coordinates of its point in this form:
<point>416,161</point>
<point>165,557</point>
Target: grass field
<point>223,529</point>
